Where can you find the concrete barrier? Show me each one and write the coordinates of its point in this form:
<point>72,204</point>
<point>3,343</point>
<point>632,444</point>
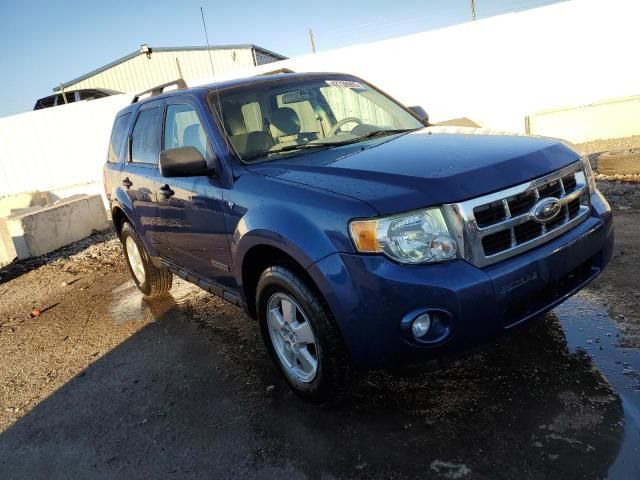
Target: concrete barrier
<point>15,204</point>
<point>613,118</point>
<point>41,230</point>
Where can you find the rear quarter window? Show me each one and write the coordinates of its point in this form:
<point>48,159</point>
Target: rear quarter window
<point>118,137</point>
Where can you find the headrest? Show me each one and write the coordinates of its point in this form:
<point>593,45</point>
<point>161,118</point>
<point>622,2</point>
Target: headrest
<point>284,121</point>
<point>247,144</point>
<point>234,120</point>
<point>194,137</point>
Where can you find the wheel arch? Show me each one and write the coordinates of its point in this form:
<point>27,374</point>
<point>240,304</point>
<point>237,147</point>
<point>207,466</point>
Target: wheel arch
<point>118,217</point>
<point>257,259</point>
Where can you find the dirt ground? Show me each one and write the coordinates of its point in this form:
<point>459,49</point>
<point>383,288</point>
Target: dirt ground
<point>105,384</point>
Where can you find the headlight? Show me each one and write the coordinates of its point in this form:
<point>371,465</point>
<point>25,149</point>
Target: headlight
<point>421,236</point>
<point>588,173</point>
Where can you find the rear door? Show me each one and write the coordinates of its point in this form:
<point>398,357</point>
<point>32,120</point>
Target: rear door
<point>192,210</point>
<point>116,154</point>
<point>139,177</point>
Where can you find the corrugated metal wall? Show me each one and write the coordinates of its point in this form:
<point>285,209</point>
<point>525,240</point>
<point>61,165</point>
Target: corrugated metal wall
<point>263,58</point>
<point>141,73</point>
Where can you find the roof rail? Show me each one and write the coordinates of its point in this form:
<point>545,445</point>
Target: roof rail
<point>159,89</point>
<point>274,72</point>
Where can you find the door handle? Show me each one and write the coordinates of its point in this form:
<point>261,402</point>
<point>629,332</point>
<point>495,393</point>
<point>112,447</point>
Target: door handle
<point>127,183</point>
<point>166,191</point>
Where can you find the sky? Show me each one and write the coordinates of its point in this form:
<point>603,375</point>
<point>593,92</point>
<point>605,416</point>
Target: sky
<point>44,43</point>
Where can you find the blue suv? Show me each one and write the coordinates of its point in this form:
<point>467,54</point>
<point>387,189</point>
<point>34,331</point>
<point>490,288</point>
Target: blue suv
<point>356,234</point>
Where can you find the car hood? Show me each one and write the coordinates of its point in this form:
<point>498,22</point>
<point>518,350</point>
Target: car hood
<point>431,166</point>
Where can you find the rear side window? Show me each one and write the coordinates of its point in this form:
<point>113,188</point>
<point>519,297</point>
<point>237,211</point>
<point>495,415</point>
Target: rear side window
<point>118,136</point>
<point>146,135</point>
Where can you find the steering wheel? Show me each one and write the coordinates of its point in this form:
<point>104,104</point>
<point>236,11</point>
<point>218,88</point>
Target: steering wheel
<point>342,122</point>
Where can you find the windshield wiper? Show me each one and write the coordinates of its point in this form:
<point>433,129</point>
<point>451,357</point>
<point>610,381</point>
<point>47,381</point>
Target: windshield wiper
<point>303,146</point>
<point>381,133</point>
<point>308,146</point>
<point>290,148</point>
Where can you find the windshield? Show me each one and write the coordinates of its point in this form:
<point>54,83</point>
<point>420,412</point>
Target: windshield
<point>273,119</point>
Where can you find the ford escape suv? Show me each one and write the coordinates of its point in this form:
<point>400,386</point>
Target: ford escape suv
<point>358,236</point>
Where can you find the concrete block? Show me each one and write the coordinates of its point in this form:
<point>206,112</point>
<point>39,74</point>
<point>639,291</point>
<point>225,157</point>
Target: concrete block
<point>46,229</point>
<point>15,204</point>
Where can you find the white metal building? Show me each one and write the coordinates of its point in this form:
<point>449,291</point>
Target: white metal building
<point>151,66</point>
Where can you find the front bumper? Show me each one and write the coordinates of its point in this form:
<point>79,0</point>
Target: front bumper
<point>369,294</point>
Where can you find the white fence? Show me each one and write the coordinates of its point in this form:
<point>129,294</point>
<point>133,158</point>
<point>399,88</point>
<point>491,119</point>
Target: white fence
<point>495,71</point>
<point>56,147</point>
<point>498,70</point>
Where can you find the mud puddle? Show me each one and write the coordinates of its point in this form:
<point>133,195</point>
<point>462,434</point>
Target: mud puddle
<point>128,305</point>
<point>588,329</point>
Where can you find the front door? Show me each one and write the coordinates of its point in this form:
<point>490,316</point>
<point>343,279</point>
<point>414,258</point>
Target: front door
<point>191,208</point>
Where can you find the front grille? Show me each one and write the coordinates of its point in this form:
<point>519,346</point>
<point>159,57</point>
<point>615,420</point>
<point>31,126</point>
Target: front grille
<point>496,242</point>
<point>521,203</point>
<point>502,224</point>
<point>489,214</point>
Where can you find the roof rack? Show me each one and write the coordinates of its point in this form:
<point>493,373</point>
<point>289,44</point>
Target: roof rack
<point>274,72</point>
<point>159,89</point>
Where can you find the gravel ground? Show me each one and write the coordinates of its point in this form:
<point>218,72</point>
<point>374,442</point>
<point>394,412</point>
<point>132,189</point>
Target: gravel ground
<point>106,384</point>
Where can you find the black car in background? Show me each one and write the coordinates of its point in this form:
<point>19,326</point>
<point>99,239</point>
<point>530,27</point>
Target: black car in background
<point>63,98</point>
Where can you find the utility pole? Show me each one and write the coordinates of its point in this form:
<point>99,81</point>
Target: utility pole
<point>313,44</point>
<point>473,10</point>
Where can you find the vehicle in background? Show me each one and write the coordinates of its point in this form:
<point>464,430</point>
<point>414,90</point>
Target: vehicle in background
<point>72,96</point>
<point>357,235</point>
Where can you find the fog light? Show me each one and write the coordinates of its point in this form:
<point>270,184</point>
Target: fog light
<point>421,325</point>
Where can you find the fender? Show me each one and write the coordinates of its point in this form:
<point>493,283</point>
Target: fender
<point>287,230</point>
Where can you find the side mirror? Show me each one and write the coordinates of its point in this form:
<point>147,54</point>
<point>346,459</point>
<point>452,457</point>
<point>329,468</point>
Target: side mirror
<point>422,113</point>
<point>183,162</point>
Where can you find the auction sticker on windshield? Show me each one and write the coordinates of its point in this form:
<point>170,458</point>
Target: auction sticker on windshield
<point>344,84</point>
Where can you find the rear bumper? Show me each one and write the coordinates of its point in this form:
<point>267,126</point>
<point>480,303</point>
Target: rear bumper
<point>369,295</point>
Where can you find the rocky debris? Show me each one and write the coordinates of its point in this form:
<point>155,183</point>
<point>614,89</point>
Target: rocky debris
<point>87,255</point>
<point>596,147</point>
<point>622,195</point>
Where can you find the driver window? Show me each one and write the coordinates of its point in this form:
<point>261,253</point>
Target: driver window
<point>182,128</point>
<point>345,102</point>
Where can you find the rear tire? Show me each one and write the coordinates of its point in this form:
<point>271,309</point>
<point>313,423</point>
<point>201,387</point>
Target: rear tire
<point>151,281</point>
<point>315,335</point>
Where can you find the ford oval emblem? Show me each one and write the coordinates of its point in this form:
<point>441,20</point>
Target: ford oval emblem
<point>546,210</point>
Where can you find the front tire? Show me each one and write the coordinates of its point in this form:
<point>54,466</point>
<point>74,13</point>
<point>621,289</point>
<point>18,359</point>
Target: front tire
<point>302,338</point>
<point>149,279</point>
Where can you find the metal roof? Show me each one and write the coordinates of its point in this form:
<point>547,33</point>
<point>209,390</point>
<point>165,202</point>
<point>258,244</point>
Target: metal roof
<point>168,49</point>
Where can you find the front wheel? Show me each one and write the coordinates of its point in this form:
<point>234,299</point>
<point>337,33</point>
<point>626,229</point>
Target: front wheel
<point>151,281</point>
<point>302,338</point>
